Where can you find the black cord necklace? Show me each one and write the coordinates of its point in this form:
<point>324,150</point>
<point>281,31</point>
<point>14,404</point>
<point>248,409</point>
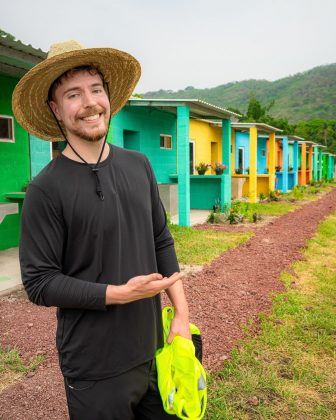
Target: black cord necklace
<point>94,169</point>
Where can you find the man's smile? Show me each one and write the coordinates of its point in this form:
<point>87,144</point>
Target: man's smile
<point>94,117</point>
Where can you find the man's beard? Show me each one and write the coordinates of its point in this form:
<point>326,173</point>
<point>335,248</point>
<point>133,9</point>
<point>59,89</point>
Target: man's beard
<point>97,135</point>
<point>91,138</point>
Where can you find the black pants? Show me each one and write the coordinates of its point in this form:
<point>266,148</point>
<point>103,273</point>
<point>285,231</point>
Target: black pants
<point>133,395</point>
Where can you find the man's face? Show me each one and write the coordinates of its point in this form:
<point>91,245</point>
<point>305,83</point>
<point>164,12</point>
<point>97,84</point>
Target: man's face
<point>82,105</point>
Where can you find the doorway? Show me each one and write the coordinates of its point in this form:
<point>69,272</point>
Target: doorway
<point>131,140</point>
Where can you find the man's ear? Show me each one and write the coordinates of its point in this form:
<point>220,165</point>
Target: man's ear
<point>54,107</point>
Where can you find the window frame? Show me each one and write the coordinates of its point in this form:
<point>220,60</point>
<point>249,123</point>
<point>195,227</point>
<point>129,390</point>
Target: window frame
<point>12,140</point>
<point>171,141</point>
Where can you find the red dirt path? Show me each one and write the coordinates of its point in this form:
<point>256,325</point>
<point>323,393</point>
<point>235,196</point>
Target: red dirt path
<point>227,293</point>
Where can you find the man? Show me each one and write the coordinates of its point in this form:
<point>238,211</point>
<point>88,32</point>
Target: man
<point>94,238</point>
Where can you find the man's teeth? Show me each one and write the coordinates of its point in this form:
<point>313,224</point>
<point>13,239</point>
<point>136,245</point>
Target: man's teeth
<point>91,118</point>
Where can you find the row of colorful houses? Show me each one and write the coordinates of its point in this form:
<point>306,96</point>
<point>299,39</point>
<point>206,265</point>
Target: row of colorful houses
<point>176,135</point>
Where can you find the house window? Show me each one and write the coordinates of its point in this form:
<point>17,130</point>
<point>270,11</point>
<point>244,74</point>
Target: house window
<point>166,141</point>
<point>6,128</point>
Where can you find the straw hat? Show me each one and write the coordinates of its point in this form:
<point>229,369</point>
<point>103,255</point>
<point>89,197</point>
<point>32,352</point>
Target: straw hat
<point>120,70</point>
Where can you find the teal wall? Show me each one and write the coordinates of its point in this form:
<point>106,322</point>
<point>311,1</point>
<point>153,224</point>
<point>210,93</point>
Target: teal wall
<point>242,140</point>
<point>14,165</point>
<point>40,154</point>
<point>262,160</point>
<point>139,128</point>
<point>204,191</point>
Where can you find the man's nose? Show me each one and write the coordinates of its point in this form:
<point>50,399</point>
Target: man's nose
<point>88,99</point>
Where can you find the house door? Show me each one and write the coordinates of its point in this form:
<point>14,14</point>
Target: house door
<point>192,156</point>
<point>241,165</point>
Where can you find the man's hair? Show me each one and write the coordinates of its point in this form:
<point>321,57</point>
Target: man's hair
<point>89,68</point>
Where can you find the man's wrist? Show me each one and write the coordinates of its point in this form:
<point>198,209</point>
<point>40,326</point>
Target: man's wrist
<point>182,312</point>
<point>116,295</point>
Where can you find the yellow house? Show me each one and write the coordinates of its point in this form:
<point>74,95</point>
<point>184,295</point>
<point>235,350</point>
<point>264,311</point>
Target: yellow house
<point>205,144</point>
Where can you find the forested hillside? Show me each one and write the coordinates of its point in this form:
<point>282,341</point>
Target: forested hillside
<point>301,97</point>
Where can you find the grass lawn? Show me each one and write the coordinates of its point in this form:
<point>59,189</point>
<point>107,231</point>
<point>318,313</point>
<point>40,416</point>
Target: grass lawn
<point>12,367</point>
<point>309,192</point>
<point>289,370</point>
<point>198,247</point>
<point>274,208</point>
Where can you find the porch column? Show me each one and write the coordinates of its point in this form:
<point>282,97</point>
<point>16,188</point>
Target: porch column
<point>226,159</point>
<point>115,134</point>
<point>271,168</point>
<point>320,163</point>
<point>183,165</point>
<point>253,165</point>
<point>315,163</point>
<point>296,162</point>
<point>329,167</point>
<point>285,164</point>
<point>303,163</point>
<point>310,163</point>
<point>233,150</point>
<point>324,166</point>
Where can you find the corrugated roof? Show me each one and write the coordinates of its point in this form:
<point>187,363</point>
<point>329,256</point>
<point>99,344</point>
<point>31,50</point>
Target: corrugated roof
<point>16,58</point>
<point>198,108</point>
<point>260,126</point>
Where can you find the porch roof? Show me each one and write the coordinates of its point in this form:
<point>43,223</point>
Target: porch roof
<point>263,128</point>
<point>17,58</point>
<point>198,109</point>
<point>291,138</point>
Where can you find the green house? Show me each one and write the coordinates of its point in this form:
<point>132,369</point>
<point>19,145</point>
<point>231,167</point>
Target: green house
<point>20,156</point>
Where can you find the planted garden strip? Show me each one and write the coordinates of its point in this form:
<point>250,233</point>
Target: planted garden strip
<point>238,285</point>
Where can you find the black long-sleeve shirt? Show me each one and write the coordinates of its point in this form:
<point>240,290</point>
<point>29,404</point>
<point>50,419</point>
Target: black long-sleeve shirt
<point>73,245</point>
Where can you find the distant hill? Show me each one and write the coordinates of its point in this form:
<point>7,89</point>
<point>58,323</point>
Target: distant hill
<point>301,97</point>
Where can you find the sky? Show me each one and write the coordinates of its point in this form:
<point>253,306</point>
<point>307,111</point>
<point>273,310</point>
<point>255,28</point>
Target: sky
<point>182,43</point>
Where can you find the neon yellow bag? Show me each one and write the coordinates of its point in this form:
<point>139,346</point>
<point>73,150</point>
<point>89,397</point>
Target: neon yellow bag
<point>181,377</point>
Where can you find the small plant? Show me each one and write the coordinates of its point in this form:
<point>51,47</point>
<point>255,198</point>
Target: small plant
<point>248,171</point>
<point>278,168</point>
<point>201,168</point>
<point>238,171</point>
<point>217,206</point>
<point>262,197</point>
<point>274,195</point>
<point>234,217</point>
<point>290,168</point>
<point>216,217</point>
<point>218,167</point>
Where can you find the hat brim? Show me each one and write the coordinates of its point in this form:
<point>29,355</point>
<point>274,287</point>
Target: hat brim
<point>29,102</point>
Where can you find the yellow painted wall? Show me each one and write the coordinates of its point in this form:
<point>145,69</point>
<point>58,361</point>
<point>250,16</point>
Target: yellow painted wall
<point>207,138</point>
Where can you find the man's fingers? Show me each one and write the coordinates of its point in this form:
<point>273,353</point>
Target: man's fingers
<point>169,281</point>
<point>154,276</point>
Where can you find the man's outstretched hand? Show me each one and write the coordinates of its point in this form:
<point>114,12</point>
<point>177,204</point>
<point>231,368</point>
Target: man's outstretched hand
<point>140,287</point>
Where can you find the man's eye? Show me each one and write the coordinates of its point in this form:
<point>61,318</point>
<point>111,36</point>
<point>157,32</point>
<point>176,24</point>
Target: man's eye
<point>73,95</point>
<point>97,90</point>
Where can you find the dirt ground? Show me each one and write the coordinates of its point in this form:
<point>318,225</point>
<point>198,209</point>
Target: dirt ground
<point>223,296</point>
